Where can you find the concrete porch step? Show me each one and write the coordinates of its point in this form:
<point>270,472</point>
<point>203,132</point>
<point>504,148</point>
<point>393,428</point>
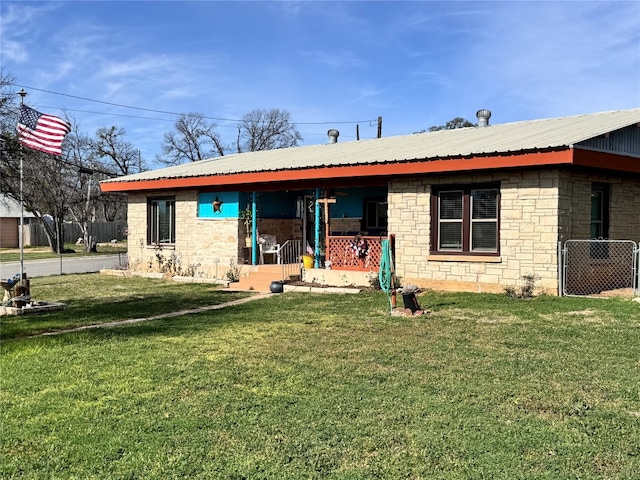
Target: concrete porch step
<point>258,280</point>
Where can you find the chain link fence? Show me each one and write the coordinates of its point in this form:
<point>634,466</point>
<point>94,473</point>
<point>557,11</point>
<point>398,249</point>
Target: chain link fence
<point>599,268</point>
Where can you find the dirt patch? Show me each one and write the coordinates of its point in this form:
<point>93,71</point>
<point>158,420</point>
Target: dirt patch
<point>621,292</point>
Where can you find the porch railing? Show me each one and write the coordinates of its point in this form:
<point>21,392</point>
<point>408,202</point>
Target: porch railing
<point>290,253</point>
<point>344,254</point>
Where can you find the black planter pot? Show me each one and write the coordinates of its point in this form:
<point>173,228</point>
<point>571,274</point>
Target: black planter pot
<point>276,287</point>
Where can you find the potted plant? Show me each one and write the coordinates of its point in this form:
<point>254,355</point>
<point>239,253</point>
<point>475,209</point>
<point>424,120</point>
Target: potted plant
<point>246,215</point>
<point>308,259</point>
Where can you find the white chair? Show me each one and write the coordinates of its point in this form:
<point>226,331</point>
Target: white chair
<point>268,244</point>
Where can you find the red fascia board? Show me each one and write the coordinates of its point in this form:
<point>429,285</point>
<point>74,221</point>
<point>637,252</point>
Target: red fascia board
<point>608,161</point>
<point>321,174</point>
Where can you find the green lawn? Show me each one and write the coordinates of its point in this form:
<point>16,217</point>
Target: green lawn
<point>329,386</point>
<point>94,299</point>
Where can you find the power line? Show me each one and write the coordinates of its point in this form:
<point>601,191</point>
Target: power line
<point>51,107</point>
<point>105,113</point>
<point>171,113</point>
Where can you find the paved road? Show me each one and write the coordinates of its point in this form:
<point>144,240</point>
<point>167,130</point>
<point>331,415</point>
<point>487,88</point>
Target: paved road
<point>57,266</point>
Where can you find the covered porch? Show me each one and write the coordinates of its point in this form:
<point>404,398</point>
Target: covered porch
<point>341,229</point>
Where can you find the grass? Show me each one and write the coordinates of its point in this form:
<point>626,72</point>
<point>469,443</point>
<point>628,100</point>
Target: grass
<point>41,253</point>
<point>329,386</point>
<point>94,299</point>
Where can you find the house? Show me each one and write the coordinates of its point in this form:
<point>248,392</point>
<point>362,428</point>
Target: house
<point>473,209</point>
<point>10,222</point>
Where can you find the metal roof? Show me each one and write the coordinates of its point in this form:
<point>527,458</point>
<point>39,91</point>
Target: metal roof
<point>10,208</point>
<point>532,135</point>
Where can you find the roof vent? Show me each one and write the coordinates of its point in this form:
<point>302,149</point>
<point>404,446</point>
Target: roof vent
<point>333,135</point>
<point>483,117</point>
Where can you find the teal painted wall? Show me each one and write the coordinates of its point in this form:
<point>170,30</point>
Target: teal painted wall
<point>230,205</point>
<point>283,204</point>
<point>277,204</point>
<point>269,204</point>
<point>350,200</point>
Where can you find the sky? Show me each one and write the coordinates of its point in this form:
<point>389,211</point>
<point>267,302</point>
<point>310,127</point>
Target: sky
<point>334,64</point>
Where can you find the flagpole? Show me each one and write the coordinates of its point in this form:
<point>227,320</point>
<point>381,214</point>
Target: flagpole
<point>22,94</point>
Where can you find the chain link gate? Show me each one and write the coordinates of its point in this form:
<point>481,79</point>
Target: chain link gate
<point>591,267</point>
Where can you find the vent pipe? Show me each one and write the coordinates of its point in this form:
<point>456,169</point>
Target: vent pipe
<point>333,135</point>
<point>483,117</point>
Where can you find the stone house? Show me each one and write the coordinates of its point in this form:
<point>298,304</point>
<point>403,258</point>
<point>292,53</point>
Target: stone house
<point>470,209</point>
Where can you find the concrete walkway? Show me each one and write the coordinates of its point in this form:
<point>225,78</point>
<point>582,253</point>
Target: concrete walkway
<point>179,313</point>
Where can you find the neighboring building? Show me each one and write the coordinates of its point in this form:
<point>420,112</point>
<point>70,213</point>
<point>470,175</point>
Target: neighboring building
<point>472,209</point>
<point>10,222</point>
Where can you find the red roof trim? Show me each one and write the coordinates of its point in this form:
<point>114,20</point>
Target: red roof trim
<point>609,161</point>
<point>530,159</point>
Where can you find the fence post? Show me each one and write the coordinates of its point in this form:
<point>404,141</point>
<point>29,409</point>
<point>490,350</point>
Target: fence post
<point>637,274</point>
<point>560,270</point>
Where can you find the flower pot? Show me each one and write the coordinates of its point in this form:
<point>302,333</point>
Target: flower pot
<point>276,287</point>
<point>307,261</point>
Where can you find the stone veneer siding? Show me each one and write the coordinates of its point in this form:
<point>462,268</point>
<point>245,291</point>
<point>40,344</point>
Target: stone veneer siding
<point>575,202</point>
<point>538,209</point>
<point>211,243</point>
<point>528,234</point>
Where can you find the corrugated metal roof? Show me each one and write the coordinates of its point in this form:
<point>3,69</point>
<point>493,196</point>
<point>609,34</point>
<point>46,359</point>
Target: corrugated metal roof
<point>494,139</point>
<point>10,208</point>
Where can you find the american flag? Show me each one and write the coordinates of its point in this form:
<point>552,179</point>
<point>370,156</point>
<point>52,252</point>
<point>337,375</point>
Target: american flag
<point>40,131</point>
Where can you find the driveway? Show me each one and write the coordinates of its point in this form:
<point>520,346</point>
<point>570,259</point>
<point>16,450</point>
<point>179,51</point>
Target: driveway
<point>62,265</point>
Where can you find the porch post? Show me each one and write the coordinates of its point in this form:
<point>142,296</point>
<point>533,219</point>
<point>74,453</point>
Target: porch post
<point>316,249</point>
<point>254,230</point>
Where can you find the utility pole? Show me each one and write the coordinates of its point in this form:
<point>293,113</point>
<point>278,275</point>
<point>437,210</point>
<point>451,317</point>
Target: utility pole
<point>379,127</point>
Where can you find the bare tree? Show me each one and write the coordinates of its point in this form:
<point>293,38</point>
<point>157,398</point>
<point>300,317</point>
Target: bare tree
<point>43,176</point>
<point>8,102</point>
<point>266,130</point>
<point>193,139</point>
<point>46,189</point>
<point>115,153</point>
<point>84,194</point>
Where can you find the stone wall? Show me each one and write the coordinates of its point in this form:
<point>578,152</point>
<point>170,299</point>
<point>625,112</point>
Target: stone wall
<point>538,209</point>
<point>575,203</point>
<point>283,229</point>
<point>528,234</point>
<point>207,245</point>
<point>342,225</point>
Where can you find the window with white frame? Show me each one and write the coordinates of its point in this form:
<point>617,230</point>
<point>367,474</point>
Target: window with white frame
<point>161,221</point>
<point>465,219</point>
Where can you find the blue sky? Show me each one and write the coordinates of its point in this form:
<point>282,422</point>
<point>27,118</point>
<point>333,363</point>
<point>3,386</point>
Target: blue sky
<point>330,64</point>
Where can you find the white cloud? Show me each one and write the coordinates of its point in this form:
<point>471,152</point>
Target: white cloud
<point>13,51</point>
<point>563,58</point>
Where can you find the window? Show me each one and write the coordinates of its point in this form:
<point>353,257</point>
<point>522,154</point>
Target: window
<point>465,219</point>
<point>599,211</point>
<point>161,222</point>
<point>375,216</point>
